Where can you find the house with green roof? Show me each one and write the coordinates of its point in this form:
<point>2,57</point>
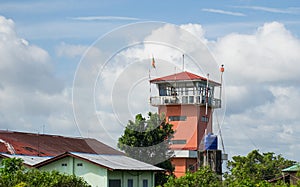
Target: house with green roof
<point>291,173</point>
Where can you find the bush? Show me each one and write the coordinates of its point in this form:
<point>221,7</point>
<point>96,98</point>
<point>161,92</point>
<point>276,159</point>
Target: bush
<point>13,173</point>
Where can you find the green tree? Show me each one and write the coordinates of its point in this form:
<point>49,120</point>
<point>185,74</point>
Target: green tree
<point>255,169</point>
<point>204,176</point>
<point>13,173</point>
<point>148,140</point>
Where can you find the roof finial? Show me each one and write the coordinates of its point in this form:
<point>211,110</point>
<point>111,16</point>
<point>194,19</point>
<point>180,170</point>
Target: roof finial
<point>222,68</point>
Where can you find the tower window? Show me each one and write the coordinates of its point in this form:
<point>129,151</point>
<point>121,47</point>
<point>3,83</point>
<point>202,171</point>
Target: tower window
<point>79,164</point>
<point>178,141</point>
<point>204,119</point>
<point>177,118</point>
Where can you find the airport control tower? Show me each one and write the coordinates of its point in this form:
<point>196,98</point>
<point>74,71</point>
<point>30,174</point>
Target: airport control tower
<point>188,101</point>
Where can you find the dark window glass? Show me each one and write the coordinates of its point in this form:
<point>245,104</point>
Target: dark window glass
<point>178,141</point>
<point>130,183</point>
<point>204,119</point>
<point>145,183</point>
<point>114,183</point>
<point>191,167</point>
<point>79,164</point>
<point>177,118</point>
<point>64,164</point>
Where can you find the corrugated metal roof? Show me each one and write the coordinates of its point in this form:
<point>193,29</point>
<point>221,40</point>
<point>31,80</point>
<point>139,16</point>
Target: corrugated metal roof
<point>28,160</point>
<point>295,167</point>
<point>22,143</point>
<point>111,162</point>
<point>117,162</point>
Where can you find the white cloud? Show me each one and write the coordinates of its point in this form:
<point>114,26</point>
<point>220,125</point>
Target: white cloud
<point>268,55</point>
<point>261,89</point>
<point>195,29</point>
<point>30,95</point>
<point>222,12</point>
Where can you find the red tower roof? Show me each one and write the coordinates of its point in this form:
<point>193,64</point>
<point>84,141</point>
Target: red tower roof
<point>182,76</point>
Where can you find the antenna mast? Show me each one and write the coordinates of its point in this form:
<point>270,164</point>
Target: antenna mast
<point>182,62</point>
<point>206,103</point>
<point>222,71</point>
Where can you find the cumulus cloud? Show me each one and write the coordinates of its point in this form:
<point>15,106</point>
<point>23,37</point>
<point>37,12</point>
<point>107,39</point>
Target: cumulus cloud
<point>269,56</point>
<point>261,86</point>
<point>30,94</point>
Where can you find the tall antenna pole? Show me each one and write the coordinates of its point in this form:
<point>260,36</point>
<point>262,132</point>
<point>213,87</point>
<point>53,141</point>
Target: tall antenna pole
<point>182,62</point>
<point>149,87</point>
<point>206,103</point>
<point>222,71</point>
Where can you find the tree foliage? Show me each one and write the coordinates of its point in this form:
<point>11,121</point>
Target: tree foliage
<point>13,173</point>
<point>255,169</point>
<point>203,177</point>
<point>148,140</point>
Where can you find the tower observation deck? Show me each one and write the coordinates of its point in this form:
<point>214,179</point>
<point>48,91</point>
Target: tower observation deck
<point>185,88</point>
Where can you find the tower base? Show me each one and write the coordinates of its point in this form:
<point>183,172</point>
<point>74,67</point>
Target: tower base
<point>212,159</point>
<point>184,161</point>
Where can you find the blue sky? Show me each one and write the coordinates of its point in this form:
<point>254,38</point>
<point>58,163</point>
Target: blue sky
<point>44,41</point>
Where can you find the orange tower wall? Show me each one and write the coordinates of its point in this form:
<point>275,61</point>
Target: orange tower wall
<point>192,129</point>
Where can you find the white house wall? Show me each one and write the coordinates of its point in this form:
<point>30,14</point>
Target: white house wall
<point>96,176</point>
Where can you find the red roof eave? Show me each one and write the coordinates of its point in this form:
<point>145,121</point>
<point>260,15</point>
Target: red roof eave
<point>183,76</point>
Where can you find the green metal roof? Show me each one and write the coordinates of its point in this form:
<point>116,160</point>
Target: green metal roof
<point>295,167</point>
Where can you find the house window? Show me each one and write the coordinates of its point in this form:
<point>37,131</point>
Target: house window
<point>177,118</point>
<point>130,183</point>
<point>178,141</point>
<point>64,164</point>
<point>79,164</point>
<point>114,183</point>
<point>145,183</point>
<point>204,119</point>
